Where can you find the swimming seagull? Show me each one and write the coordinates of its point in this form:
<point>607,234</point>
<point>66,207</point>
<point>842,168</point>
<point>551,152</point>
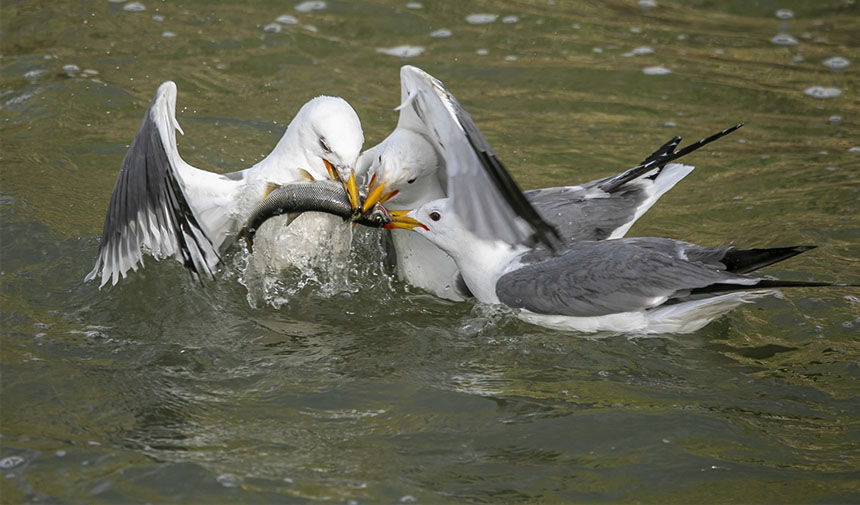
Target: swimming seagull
<point>636,285</point>
<point>163,206</point>
<point>436,150</point>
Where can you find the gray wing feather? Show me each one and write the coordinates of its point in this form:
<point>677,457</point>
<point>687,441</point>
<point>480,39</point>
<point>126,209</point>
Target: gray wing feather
<point>599,278</point>
<point>148,209</point>
<point>483,193</point>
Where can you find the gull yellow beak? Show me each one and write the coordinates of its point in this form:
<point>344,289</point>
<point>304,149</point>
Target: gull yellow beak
<point>349,185</point>
<point>399,220</point>
<point>376,194</point>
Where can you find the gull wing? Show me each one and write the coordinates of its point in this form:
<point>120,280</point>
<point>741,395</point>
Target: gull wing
<point>149,209</point>
<point>633,274</point>
<point>624,275</point>
<point>607,208</point>
<point>484,195</point>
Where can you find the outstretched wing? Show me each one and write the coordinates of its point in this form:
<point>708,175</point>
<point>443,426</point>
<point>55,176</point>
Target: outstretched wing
<point>484,195</point>
<point>148,209</point>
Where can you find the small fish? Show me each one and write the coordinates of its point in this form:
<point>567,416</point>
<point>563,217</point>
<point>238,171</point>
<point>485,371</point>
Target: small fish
<point>318,196</point>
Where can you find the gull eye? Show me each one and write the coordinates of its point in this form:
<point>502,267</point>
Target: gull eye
<point>410,181</point>
<point>435,216</point>
<point>324,146</point>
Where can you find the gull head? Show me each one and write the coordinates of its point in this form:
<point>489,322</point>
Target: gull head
<point>436,220</point>
<point>404,171</point>
<point>330,132</point>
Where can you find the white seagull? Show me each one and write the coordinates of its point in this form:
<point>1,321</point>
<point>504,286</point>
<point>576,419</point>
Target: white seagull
<point>633,285</point>
<point>163,206</point>
<point>436,151</point>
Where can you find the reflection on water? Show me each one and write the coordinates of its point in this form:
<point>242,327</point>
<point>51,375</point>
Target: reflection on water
<point>365,390</point>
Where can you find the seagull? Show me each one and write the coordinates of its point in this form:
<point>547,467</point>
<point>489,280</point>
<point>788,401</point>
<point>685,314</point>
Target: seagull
<point>632,285</point>
<point>163,206</point>
<point>436,143</point>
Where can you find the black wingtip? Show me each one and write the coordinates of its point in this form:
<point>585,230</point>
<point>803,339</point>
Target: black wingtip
<point>660,158</point>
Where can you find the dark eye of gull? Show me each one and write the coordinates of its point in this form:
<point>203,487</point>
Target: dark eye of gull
<point>410,181</point>
<point>435,216</point>
<point>324,146</point>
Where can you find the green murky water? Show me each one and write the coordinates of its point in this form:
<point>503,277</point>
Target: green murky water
<point>157,391</point>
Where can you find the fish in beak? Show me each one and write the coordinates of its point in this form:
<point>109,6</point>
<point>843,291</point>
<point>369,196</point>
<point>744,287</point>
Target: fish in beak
<point>376,194</point>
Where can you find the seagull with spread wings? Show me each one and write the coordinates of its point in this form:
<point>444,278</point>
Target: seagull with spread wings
<point>436,143</point>
<point>163,206</point>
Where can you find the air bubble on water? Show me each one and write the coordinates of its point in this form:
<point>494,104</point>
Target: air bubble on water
<point>134,7</point>
<point>783,39</point>
<point>822,92</point>
<point>10,462</point>
<point>414,5</point>
<point>272,28</point>
<point>310,6</point>
<point>481,18</point>
<point>784,14</point>
<point>510,19</point>
<point>286,19</point>
<point>658,70</point>
<point>157,17</point>
<point>835,119</point>
<point>228,480</point>
<point>510,57</point>
<point>647,4</point>
<point>404,51</point>
<point>638,51</point>
<point>441,33</point>
<point>168,35</point>
<point>482,52</point>
<point>836,62</point>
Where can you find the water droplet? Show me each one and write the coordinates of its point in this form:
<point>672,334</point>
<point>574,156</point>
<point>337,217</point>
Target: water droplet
<point>658,70</point>
<point>482,52</point>
<point>286,19</point>
<point>783,39</point>
<point>784,14</point>
<point>510,19</point>
<point>134,7</point>
<point>310,6</point>
<point>481,19</point>
<point>158,18</point>
<point>168,35</point>
<point>835,119</point>
<point>272,28</point>
<point>822,92</point>
<point>401,51</point>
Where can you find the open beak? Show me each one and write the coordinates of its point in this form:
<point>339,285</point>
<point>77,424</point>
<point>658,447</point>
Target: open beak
<point>400,220</point>
<point>349,185</point>
<point>376,194</point>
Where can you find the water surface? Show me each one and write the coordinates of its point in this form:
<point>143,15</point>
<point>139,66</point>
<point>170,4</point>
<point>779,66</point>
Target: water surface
<point>367,391</point>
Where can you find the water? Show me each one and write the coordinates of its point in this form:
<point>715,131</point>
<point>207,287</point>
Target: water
<point>368,391</point>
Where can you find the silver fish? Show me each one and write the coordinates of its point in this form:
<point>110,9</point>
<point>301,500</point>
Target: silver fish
<point>317,196</point>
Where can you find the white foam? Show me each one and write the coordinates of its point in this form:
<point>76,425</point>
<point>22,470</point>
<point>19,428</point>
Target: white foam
<point>658,70</point>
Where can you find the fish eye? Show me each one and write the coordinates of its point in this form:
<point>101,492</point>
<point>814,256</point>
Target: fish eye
<point>324,146</point>
<point>435,216</point>
<point>410,181</point>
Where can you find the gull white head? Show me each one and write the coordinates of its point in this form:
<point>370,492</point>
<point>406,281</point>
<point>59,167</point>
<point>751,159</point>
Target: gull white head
<point>328,131</point>
<point>404,171</point>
